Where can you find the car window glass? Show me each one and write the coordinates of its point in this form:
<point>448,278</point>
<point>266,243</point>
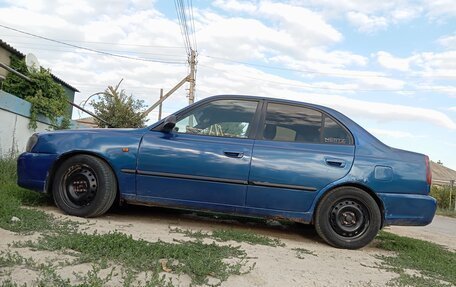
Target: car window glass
<point>292,123</point>
<point>334,133</point>
<point>223,118</point>
<point>301,124</point>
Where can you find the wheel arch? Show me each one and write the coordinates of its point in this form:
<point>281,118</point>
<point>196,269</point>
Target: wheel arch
<point>362,187</point>
<point>67,155</point>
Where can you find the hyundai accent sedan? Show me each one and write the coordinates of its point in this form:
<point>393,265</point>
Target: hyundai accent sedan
<point>250,156</point>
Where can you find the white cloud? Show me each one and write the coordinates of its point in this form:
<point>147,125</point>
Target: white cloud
<point>367,23</point>
<point>388,61</point>
<point>392,134</point>
<point>448,41</point>
<point>308,27</point>
<point>440,9</point>
<point>236,6</point>
<point>453,109</point>
<point>255,82</point>
<point>280,34</point>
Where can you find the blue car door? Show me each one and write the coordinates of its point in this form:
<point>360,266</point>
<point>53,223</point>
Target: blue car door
<point>298,151</point>
<point>205,160</point>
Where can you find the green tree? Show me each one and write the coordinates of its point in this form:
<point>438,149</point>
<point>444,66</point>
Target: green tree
<point>118,109</point>
<point>46,96</point>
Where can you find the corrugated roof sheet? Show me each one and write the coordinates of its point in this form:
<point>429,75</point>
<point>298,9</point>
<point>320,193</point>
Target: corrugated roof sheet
<point>16,52</point>
<point>442,174</point>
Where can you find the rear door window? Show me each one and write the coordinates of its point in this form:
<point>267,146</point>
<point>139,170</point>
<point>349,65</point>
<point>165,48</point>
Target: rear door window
<point>301,124</point>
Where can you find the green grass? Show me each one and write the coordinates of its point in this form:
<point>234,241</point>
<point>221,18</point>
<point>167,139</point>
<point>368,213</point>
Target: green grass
<point>431,260</point>
<point>245,236</point>
<point>12,197</point>
<point>196,259</point>
<point>200,261</point>
<point>223,235</point>
<point>446,212</point>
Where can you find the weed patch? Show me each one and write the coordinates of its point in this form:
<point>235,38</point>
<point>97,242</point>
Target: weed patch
<point>196,259</point>
<point>431,260</point>
<point>223,235</point>
<point>446,212</point>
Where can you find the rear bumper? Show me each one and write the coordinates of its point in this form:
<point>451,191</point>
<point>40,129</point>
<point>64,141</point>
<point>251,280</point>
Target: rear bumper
<point>33,170</point>
<point>408,209</point>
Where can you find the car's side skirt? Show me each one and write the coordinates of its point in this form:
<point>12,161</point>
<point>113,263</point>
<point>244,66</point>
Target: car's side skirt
<point>302,217</point>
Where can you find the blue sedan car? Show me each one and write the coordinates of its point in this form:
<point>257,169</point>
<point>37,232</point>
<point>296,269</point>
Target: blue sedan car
<point>242,155</point>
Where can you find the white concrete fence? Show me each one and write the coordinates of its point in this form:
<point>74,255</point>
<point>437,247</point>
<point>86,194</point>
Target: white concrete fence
<point>14,120</point>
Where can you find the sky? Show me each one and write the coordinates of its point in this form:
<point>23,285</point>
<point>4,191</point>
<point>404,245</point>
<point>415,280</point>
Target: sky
<point>389,65</point>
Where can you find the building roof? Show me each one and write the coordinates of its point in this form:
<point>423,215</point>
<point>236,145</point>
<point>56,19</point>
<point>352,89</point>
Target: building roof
<point>18,53</point>
<point>90,121</point>
<point>442,175</point>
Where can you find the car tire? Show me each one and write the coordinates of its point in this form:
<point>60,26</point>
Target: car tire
<point>347,217</point>
<point>84,186</point>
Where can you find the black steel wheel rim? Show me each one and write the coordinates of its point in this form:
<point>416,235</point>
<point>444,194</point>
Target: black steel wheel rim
<point>349,218</point>
<point>79,185</point>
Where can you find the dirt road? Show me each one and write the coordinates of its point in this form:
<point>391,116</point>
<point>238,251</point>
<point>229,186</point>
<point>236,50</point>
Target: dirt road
<point>321,265</point>
<point>442,231</point>
<point>275,266</point>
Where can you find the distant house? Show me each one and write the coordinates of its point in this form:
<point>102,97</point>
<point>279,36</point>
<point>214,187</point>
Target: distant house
<point>442,175</point>
<point>6,51</point>
<point>88,121</point>
<point>15,112</point>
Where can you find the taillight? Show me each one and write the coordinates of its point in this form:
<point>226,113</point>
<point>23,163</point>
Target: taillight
<point>428,170</point>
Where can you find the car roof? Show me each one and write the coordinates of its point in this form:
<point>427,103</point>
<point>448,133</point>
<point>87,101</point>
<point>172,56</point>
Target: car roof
<point>277,100</point>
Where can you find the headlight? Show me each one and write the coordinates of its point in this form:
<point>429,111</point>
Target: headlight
<point>31,142</point>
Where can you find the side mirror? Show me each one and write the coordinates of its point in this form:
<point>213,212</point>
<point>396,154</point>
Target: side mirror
<point>168,124</point>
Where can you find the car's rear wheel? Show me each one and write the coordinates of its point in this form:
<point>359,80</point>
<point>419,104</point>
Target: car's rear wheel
<point>347,217</point>
<point>84,186</point>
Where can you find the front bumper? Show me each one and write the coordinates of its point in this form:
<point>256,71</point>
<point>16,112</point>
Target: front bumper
<point>33,170</point>
<point>408,209</point>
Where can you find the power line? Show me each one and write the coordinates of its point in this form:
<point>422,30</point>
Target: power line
<point>89,49</point>
<point>181,16</point>
<point>57,49</point>
<point>304,85</point>
<point>345,75</point>
<point>190,4</point>
<point>101,43</point>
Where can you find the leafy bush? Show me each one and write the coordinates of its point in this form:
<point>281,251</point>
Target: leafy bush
<point>442,194</point>
<point>46,96</point>
<point>118,109</point>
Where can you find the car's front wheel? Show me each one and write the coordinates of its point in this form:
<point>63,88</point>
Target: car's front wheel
<point>347,217</point>
<point>85,186</point>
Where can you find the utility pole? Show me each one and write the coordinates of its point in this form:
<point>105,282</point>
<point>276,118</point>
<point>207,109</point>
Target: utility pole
<point>160,106</point>
<point>189,78</point>
<point>192,76</point>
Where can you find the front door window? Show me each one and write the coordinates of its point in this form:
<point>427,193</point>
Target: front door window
<point>221,118</point>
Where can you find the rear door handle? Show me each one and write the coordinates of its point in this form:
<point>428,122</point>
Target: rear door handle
<point>234,154</point>
<point>336,162</point>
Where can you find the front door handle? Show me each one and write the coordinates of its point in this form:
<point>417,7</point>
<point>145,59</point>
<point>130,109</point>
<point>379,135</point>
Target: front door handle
<point>234,154</point>
<point>336,162</point>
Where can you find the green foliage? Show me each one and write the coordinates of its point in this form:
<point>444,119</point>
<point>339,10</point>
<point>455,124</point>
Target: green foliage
<point>447,212</point>
<point>196,259</point>
<point>245,236</point>
<point>224,235</point>
<point>118,109</point>
<point>442,194</point>
<point>46,96</point>
<point>431,260</point>
<point>11,198</point>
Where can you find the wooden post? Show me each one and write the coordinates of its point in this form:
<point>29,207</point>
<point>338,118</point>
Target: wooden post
<point>160,106</point>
